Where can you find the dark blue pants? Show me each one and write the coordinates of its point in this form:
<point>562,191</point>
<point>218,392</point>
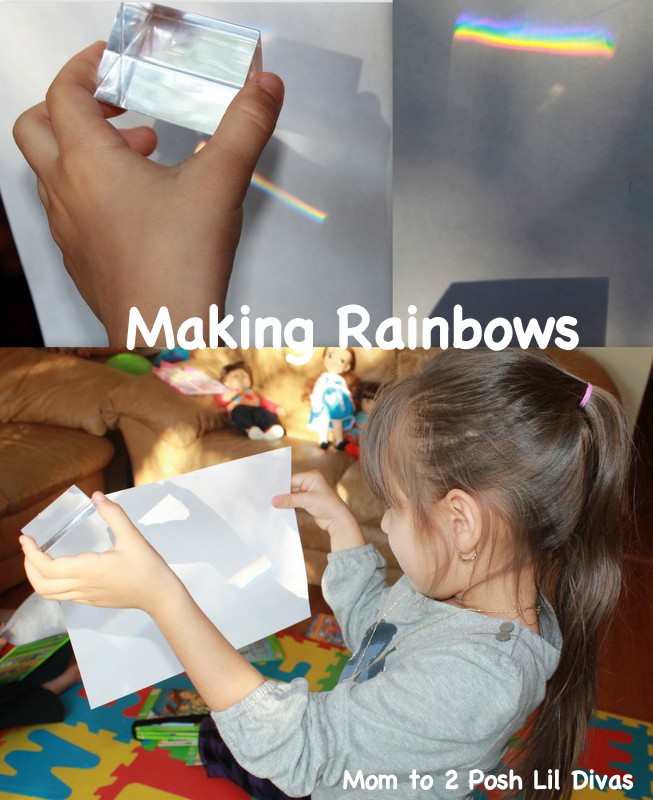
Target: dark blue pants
<point>246,417</point>
<point>219,762</point>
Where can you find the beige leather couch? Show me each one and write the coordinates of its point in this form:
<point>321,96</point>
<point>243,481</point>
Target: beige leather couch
<point>51,436</point>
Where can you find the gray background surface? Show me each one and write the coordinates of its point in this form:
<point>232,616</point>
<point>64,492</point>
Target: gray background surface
<point>514,164</point>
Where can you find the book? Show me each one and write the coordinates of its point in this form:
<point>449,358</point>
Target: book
<point>33,633</point>
<point>17,661</point>
<point>188,380</point>
<point>264,650</point>
<point>170,713</point>
<point>324,628</point>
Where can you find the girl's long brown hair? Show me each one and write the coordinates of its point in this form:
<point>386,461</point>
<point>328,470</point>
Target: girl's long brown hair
<point>508,428</point>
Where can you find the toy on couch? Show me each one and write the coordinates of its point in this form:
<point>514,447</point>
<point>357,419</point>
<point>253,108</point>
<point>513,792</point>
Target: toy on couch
<point>332,397</point>
<point>250,412</point>
<point>366,398</point>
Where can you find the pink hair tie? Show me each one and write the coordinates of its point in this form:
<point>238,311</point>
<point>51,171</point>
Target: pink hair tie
<point>586,396</point>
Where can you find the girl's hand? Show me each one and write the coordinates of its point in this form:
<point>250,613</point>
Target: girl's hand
<point>133,232</point>
<point>129,575</point>
<point>312,492</point>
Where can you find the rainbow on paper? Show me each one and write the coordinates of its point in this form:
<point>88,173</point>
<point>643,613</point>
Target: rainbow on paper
<point>573,40</point>
<point>281,194</point>
<point>288,199</point>
<point>250,573</point>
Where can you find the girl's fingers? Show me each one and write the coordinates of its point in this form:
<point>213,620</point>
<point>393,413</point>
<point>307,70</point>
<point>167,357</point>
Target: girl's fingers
<point>74,113</point>
<point>32,553</point>
<point>113,514</point>
<point>42,193</point>
<point>229,158</point>
<point>142,139</point>
<point>284,501</point>
<point>49,587</point>
<point>110,111</point>
<point>35,137</point>
<point>65,568</point>
<point>300,485</point>
<point>36,140</point>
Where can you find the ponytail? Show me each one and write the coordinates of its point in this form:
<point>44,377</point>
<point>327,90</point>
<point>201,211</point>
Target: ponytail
<point>583,578</point>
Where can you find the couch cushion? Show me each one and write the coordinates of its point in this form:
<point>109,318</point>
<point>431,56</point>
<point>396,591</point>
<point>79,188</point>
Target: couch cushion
<point>39,460</point>
<point>177,418</point>
<point>55,389</point>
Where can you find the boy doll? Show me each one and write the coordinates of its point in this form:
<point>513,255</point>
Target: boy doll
<point>250,412</point>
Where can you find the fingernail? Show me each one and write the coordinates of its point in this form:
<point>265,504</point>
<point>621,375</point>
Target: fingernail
<point>98,497</point>
<point>271,84</point>
<point>275,501</point>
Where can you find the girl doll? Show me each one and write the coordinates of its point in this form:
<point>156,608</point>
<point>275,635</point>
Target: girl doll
<point>504,478</point>
<point>366,396</point>
<point>332,405</point>
<point>250,412</point>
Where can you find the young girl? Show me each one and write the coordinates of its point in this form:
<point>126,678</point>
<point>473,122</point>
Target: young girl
<point>504,481</point>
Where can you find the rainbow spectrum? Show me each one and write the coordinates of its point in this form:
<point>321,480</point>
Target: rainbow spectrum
<point>288,199</point>
<point>578,41</point>
<point>281,194</point>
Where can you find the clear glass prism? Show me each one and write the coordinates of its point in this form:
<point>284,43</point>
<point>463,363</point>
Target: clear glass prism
<point>176,66</point>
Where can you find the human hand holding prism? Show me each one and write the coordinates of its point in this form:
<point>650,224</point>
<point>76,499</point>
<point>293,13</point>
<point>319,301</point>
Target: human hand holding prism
<point>133,232</point>
<point>133,575</point>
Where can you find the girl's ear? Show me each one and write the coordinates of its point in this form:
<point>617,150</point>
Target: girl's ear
<point>466,520</point>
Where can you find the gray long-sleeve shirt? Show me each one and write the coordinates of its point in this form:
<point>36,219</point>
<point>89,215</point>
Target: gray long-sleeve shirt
<point>431,689</point>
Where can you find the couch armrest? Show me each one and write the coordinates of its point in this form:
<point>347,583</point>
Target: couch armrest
<point>55,389</point>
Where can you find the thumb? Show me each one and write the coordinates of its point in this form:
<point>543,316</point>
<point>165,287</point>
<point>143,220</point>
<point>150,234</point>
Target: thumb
<point>120,524</point>
<point>245,129</point>
<point>288,501</point>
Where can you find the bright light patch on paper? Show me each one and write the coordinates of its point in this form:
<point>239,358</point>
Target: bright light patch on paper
<point>167,510</point>
<point>251,573</point>
<point>572,40</point>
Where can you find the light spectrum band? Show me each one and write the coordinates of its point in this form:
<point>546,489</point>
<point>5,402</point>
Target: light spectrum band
<point>573,40</point>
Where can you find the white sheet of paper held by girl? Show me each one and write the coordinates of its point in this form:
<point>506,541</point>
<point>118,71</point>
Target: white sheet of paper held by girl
<point>240,558</point>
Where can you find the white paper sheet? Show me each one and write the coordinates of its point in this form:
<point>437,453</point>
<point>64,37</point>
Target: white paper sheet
<point>240,558</point>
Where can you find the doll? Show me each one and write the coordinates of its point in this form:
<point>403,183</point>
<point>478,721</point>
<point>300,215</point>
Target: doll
<point>332,404</point>
<point>366,399</point>
<point>250,412</point>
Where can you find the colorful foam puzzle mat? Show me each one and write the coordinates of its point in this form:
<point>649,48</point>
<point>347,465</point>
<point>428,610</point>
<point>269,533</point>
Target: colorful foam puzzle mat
<point>92,755</point>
